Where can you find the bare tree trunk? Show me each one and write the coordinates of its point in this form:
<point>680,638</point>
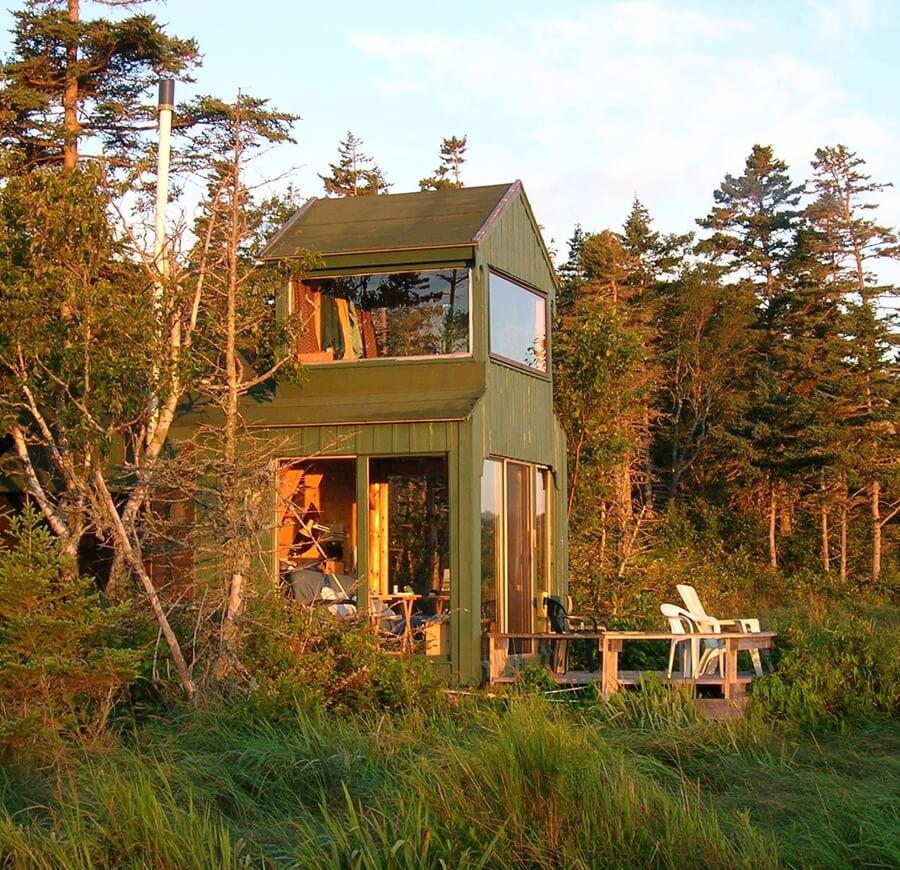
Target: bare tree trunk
<point>604,514</point>
<point>826,552</point>
<point>120,533</point>
<point>845,522</point>
<point>236,549</point>
<point>773,525</point>
<point>876,530</point>
<point>70,99</point>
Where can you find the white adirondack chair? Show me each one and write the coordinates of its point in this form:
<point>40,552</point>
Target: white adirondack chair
<point>705,622</point>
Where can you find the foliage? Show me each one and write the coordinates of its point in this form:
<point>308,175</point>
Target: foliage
<point>448,174</point>
<point>355,174</point>
<point>652,706</point>
<point>63,661</point>
<point>69,77</point>
<point>301,654</point>
<point>833,667</point>
<point>532,784</point>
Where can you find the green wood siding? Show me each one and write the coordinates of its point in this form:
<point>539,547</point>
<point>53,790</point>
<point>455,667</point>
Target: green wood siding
<point>513,245</point>
<point>519,422</point>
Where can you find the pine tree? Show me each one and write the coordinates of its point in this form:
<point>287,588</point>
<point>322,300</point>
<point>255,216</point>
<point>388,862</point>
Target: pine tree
<point>448,174</point>
<point>753,233</point>
<point>570,275</point>
<point>752,223</point>
<point>847,240</point>
<point>243,344</point>
<point>355,173</point>
<point>62,656</point>
<point>70,78</point>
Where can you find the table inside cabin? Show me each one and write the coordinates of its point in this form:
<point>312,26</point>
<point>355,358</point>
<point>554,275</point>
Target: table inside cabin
<point>407,601</point>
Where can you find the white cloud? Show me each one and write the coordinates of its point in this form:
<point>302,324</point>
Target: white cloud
<point>628,98</point>
<point>836,18</point>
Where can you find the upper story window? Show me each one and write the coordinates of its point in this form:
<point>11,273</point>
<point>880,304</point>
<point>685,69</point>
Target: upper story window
<point>518,323</point>
<point>397,314</point>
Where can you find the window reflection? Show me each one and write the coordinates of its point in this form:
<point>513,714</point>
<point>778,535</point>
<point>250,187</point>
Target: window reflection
<point>491,539</point>
<point>518,323</point>
<point>399,314</point>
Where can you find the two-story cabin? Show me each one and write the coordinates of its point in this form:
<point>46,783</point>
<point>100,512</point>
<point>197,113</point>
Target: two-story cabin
<point>420,454</point>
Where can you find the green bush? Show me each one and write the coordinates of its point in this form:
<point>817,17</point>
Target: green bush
<point>833,666</point>
<point>63,661</point>
<point>298,653</point>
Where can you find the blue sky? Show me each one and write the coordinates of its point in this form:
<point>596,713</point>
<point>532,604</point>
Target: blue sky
<point>589,103</point>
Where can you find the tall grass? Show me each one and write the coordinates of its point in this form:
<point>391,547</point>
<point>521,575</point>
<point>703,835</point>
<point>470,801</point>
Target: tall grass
<point>467,788</point>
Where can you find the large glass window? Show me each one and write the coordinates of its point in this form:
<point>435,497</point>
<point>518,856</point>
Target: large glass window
<point>491,539</point>
<point>515,546</point>
<point>519,546</point>
<point>518,323</point>
<point>409,548</point>
<point>400,314</point>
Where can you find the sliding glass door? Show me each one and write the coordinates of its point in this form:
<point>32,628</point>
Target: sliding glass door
<point>519,557</point>
<point>514,546</point>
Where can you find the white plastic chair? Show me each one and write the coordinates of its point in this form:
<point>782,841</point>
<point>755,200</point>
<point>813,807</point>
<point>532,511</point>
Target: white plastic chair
<point>679,623</point>
<point>703,619</point>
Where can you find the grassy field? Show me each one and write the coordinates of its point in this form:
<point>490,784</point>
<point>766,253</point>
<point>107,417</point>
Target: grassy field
<point>519,783</point>
<point>343,757</point>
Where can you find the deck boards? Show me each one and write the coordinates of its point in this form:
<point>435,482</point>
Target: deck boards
<point>631,678</point>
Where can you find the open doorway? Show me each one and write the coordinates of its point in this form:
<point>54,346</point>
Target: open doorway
<point>409,544</point>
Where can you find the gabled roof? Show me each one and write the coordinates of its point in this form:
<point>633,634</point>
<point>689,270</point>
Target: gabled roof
<point>391,222</point>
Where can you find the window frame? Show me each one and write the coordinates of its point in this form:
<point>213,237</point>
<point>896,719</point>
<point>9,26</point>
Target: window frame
<point>458,355</point>
<point>505,360</point>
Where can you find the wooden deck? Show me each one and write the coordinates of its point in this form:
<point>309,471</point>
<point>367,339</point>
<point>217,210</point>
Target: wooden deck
<point>730,682</point>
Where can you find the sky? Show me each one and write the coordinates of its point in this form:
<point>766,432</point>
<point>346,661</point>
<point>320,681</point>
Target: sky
<point>589,103</point>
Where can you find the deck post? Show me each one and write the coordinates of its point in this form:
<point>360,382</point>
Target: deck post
<point>609,683</point>
<point>498,656</point>
<point>731,689</point>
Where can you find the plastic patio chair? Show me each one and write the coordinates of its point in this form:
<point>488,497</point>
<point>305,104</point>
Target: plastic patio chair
<point>702,619</point>
<point>680,622</point>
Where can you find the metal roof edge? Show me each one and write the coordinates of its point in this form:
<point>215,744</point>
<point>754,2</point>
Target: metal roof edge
<point>264,254</point>
<point>489,220</point>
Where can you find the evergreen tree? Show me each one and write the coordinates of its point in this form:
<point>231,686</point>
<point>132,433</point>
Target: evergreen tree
<point>62,656</point>
<point>570,276</point>
<point>70,78</point>
<point>847,240</point>
<point>753,234</point>
<point>355,173</point>
<point>448,174</point>
<point>753,220</point>
<point>243,343</point>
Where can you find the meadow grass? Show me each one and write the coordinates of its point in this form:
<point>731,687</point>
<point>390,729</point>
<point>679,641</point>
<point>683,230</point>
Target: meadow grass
<point>521,784</point>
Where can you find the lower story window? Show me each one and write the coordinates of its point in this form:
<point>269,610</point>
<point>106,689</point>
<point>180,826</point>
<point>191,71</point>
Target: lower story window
<point>317,526</point>
<point>409,545</point>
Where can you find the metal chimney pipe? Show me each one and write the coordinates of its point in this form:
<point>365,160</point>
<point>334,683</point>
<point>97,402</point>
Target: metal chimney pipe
<point>166,106</point>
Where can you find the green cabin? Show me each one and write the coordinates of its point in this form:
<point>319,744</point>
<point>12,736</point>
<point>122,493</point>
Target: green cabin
<point>420,458</point>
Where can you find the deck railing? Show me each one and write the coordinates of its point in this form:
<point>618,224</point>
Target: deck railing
<point>610,643</point>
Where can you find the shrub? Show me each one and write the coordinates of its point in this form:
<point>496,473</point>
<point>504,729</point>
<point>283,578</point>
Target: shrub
<point>298,653</point>
<point>833,666</point>
<point>62,660</point>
